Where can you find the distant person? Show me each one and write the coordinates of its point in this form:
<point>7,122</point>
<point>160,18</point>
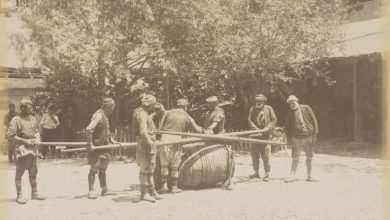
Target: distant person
<point>49,124</point>
<point>7,119</point>
<point>301,128</point>
<point>23,130</point>
<point>38,116</point>
<point>261,117</point>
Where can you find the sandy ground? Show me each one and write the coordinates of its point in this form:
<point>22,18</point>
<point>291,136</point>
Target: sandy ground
<point>349,188</point>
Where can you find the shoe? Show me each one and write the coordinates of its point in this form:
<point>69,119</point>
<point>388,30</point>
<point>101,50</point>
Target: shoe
<point>226,187</point>
<point>164,189</point>
<point>290,180</point>
<point>175,190</point>
<point>21,200</point>
<point>255,175</point>
<point>148,198</point>
<point>92,195</point>
<point>108,193</point>
<point>311,179</point>
<point>36,196</point>
<point>266,179</point>
<point>155,194</point>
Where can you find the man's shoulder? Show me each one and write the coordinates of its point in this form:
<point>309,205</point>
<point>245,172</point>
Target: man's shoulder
<point>140,112</point>
<point>268,107</point>
<point>305,107</point>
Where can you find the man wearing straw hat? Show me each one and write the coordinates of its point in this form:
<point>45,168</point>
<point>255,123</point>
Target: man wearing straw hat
<point>302,129</point>
<point>175,120</point>
<point>98,132</point>
<point>144,129</point>
<point>215,117</point>
<point>261,117</point>
<point>23,130</point>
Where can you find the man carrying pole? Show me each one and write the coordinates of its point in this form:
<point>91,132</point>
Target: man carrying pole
<point>261,117</point>
<point>24,131</point>
<point>175,120</point>
<point>214,122</point>
<point>144,128</point>
<point>98,132</point>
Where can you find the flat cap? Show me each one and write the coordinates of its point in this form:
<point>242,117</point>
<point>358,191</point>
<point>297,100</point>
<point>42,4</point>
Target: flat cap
<point>108,101</point>
<point>148,100</point>
<point>26,101</point>
<point>182,102</point>
<point>292,98</point>
<point>211,99</point>
<point>260,97</point>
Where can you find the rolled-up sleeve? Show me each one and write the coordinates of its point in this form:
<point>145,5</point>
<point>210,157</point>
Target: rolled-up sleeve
<point>96,119</point>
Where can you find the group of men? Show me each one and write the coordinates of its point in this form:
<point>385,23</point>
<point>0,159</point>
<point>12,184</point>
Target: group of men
<point>301,126</point>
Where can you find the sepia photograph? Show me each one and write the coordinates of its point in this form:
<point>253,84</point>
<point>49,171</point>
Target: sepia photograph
<point>194,109</point>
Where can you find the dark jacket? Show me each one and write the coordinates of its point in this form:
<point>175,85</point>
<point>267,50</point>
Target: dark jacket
<point>269,117</point>
<point>308,117</point>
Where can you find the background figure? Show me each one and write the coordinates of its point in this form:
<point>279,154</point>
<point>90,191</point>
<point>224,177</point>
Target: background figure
<point>7,119</point>
<point>49,124</point>
<point>214,122</point>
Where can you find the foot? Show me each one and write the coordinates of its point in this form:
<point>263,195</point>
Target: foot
<point>175,190</point>
<point>253,176</point>
<point>311,179</point>
<point>226,187</point>
<point>148,198</point>
<point>92,195</point>
<point>108,193</point>
<point>36,196</point>
<point>290,179</point>
<point>155,195</point>
<point>164,189</point>
<point>266,179</point>
<point>21,200</point>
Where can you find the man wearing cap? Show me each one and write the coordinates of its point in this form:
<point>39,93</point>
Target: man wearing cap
<point>98,132</point>
<point>175,120</point>
<point>214,122</point>
<point>23,130</point>
<point>261,117</point>
<point>301,128</point>
<point>144,130</point>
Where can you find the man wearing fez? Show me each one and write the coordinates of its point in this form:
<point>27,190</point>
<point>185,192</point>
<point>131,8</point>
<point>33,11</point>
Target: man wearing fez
<point>144,130</point>
<point>215,117</point>
<point>261,117</point>
<point>23,130</point>
<point>175,120</point>
<point>301,128</point>
<point>98,132</point>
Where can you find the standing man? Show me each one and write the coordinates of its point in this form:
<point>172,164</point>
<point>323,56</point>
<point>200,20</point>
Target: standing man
<point>175,120</point>
<point>7,119</point>
<point>215,117</point>
<point>302,129</point>
<point>261,117</point>
<point>144,130</point>
<point>98,132</point>
<point>23,130</point>
<point>49,124</point>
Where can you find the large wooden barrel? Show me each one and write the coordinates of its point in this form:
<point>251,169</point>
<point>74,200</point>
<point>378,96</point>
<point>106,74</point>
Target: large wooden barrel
<point>205,165</point>
<point>202,165</point>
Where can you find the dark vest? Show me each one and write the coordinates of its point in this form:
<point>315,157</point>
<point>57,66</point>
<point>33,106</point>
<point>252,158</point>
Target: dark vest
<point>101,134</point>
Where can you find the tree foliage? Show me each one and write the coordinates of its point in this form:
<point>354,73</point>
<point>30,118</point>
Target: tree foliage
<point>231,48</point>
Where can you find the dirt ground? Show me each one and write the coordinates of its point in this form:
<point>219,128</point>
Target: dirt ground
<point>348,188</point>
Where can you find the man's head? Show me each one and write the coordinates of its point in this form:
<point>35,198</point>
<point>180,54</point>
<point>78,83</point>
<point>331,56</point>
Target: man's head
<point>293,102</point>
<point>26,107</point>
<point>159,109</point>
<point>11,107</point>
<point>260,100</point>
<point>182,103</point>
<point>211,102</point>
<point>108,105</point>
<point>148,102</point>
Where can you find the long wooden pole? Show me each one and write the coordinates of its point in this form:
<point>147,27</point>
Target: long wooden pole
<point>224,138</point>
